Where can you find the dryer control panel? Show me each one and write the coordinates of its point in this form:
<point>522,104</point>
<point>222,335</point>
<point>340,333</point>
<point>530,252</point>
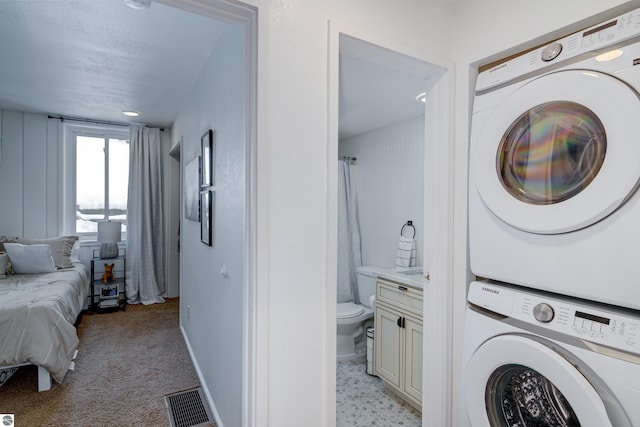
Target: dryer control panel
<point>600,324</point>
<point>598,37</point>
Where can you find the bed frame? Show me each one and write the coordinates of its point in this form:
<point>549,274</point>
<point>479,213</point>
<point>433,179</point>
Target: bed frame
<point>44,377</point>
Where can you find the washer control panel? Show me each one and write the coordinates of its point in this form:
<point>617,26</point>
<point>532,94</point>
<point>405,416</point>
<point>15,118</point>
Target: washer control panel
<point>592,322</point>
<point>543,312</point>
<point>597,37</point>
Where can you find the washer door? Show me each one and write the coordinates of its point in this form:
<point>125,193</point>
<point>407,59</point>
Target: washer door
<point>560,153</point>
<point>514,381</point>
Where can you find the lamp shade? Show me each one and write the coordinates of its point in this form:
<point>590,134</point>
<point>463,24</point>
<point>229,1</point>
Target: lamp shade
<point>109,231</point>
<point>108,236</point>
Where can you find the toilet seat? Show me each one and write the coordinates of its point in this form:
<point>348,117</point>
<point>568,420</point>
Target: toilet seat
<point>347,310</point>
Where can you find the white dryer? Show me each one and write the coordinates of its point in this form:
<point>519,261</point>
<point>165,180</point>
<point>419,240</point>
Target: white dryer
<point>555,167</point>
<point>537,359</point>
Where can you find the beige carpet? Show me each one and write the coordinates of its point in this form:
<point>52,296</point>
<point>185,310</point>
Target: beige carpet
<point>127,362</point>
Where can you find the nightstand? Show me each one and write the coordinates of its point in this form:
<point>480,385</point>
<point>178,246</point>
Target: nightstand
<point>110,295</point>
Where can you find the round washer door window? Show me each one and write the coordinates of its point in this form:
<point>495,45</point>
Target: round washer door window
<point>560,153</point>
<point>513,380</point>
<point>517,395</point>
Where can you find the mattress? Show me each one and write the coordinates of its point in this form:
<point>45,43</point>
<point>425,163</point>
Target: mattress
<point>37,316</point>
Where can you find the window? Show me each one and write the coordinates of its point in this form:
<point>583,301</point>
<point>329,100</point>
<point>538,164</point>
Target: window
<point>96,165</point>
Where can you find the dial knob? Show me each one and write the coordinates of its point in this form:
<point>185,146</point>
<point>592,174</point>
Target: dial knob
<point>549,53</point>
<point>543,312</point>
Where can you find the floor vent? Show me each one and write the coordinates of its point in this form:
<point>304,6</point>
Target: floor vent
<point>188,409</point>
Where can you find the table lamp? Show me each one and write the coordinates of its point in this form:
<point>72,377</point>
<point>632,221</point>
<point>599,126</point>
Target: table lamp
<point>108,236</point>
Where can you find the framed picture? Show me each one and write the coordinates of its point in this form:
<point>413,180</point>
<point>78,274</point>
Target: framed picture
<point>109,291</point>
<point>192,189</point>
<point>206,223</point>
<point>207,158</point>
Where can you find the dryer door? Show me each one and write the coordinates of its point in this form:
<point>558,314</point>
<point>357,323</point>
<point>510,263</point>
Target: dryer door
<point>560,153</point>
<point>517,381</point>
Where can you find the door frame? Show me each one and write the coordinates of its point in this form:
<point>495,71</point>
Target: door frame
<point>255,322</point>
<point>438,202</point>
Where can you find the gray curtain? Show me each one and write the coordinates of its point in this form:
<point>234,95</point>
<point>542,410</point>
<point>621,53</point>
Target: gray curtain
<point>349,254</point>
<point>145,240</point>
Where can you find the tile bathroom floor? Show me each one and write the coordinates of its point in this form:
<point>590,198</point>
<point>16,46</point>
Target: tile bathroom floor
<point>363,400</point>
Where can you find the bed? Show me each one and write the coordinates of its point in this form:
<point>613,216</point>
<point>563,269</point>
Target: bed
<point>37,316</point>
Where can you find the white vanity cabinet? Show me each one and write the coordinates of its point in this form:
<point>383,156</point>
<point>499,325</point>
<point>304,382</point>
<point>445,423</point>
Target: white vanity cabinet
<point>398,339</point>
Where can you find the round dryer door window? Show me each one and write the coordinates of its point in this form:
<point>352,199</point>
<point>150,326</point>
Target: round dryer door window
<point>516,380</point>
<point>560,153</point>
<point>551,153</point>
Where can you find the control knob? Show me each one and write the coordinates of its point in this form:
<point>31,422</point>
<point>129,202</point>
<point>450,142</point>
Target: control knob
<point>551,52</point>
<point>543,312</point>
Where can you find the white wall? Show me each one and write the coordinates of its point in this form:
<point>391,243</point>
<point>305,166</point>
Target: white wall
<point>292,179</point>
<point>389,180</point>
<point>210,304</point>
<point>484,32</point>
<point>29,173</point>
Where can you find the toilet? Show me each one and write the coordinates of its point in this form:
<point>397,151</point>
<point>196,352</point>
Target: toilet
<point>353,319</point>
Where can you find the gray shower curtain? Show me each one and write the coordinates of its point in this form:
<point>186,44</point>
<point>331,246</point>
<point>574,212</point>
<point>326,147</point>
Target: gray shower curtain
<point>349,254</point>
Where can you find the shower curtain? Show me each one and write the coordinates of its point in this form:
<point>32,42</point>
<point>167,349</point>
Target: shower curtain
<point>349,254</point>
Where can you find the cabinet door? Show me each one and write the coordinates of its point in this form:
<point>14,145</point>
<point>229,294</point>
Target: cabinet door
<point>413,359</point>
<point>388,345</point>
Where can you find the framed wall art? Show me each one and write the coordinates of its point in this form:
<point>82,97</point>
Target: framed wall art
<point>192,189</point>
<point>207,144</point>
<point>206,222</point>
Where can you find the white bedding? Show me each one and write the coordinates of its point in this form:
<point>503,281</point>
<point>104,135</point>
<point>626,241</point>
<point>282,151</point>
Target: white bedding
<point>37,314</point>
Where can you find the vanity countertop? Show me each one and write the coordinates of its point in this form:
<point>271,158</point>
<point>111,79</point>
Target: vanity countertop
<point>413,277</point>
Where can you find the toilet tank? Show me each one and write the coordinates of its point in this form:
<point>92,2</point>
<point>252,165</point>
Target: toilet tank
<point>367,275</point>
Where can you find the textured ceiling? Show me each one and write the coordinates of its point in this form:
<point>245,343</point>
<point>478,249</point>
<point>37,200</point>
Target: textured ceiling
<point>378,87</point>
<point>95,58</point>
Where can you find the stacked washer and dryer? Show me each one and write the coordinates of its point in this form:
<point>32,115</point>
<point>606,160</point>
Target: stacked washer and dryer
<point>552,329</point>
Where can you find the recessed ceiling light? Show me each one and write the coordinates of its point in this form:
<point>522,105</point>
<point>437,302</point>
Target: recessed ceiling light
<point>131,113</point>
<point>138,4</point>
<point>422,97</point>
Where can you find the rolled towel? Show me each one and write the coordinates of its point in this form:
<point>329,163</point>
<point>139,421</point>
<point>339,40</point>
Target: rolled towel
<point>406,255</point>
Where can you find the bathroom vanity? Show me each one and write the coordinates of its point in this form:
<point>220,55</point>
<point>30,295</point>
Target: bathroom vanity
<point>398,336</point>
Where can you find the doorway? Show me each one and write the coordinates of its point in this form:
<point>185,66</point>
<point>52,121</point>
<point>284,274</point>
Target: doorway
<point>174,178</point>
<point>377,59</point>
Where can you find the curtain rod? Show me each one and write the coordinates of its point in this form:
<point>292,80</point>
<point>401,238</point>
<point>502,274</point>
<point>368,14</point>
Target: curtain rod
<point>98,122</point>
<point>347,159</point>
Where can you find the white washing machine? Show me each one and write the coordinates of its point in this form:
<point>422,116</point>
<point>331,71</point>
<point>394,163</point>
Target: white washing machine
<point>555,167</point>
<point>537,359</point>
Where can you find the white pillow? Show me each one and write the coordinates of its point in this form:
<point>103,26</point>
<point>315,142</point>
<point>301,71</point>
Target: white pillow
<point>61,248</point>
<point>28,259</point>
<point>74,257</point>
<point>4,261</point>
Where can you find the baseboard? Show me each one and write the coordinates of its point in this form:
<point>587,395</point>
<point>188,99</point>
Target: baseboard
<point>203,384</point>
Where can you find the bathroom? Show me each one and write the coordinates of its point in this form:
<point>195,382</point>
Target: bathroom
<point>384,158</point>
